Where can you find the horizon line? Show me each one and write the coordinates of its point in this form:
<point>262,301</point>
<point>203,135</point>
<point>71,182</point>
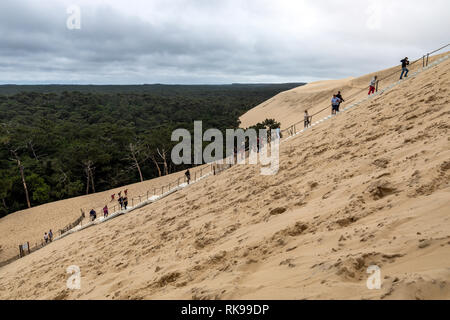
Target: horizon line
<point>150,84</point>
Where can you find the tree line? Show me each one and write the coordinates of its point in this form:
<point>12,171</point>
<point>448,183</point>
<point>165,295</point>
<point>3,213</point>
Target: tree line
<point>57,144</point>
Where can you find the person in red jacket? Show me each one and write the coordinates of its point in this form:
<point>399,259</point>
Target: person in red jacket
<point>373,83</point>
<point>105,212</point>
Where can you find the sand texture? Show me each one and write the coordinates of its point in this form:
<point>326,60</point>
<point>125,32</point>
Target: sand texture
<point>368,187</point>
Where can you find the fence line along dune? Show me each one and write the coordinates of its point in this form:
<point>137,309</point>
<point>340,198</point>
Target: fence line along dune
<point>30,224</point>
<point>288,107</point>
<point>368,187</point>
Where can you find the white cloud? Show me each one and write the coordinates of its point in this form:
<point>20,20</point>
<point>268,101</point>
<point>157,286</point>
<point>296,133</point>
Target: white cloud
<point>212,41</point>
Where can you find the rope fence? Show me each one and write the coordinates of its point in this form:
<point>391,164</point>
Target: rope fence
<point>73,224</point>
<point>157,193</point>
<point>292,129</point>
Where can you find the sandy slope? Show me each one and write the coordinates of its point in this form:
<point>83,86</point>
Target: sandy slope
<point>369,187</point>
<point>288,107</point>
<point>30,225</point>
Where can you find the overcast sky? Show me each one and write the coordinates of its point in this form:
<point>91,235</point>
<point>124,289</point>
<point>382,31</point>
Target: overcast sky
<point>212,41</point>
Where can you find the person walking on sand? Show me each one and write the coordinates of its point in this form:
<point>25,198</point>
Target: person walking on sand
<point>125,202</point>
<point>307,119</point>
<point>339,95</point>
<point>188,176</point>
<point>50,235</point>
<point>334,105</point>
<point>278,132</point>
<point>373,83</point>
<point>262,143</point>
<point>241,155</point>
<point>105,211</point>
<point>405,64</point>
<point>120,202</point>
<point>93,214</point>
<point>45,237</point>
<point>112,197</point>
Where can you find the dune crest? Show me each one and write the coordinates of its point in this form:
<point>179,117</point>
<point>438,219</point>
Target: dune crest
<point>288,107</point>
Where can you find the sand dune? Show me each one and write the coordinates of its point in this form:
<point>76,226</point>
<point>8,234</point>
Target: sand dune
<point>30,225</point>
<point>369,187</point>
<point>288,107</point>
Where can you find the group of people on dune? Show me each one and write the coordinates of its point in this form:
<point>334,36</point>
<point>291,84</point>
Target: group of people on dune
<point>337,98</point>
<point>335,105</point>
<point>336,101</point>
<point>123,203</point>
<point>48,237</point>
<point>405,71</point>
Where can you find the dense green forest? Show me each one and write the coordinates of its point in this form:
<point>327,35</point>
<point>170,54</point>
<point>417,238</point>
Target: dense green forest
<point>58,142</point>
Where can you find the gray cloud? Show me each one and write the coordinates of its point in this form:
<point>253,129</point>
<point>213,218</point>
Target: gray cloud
<point>208,41</point>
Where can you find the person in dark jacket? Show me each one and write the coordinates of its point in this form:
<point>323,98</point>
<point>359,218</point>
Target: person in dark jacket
<point>188,176</point>
<point>405,64</point>
<point>93,214</point>
<point>125,202</point>
<point>339,95</point>
<point>120,200</point>
<point>307,119</point>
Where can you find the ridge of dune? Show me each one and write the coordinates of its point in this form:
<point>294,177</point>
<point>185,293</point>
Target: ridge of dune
<point>369,187</point>
<point>288,107</point>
